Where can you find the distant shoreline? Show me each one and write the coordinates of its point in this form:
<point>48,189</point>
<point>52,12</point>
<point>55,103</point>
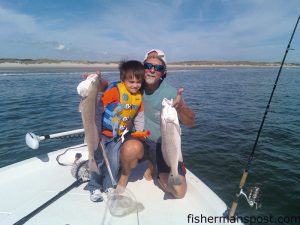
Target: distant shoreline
<point>114,65</point>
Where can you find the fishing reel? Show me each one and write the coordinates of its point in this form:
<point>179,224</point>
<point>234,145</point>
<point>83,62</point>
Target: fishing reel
<point>253,197</point>
<point>80,169</point>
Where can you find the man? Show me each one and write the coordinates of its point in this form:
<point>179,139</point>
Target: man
<point>155,89</point>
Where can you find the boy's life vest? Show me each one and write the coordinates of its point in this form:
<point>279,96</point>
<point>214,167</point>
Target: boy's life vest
<point>117,116</point>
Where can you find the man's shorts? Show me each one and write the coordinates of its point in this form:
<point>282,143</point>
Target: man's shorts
<point>152,149</point>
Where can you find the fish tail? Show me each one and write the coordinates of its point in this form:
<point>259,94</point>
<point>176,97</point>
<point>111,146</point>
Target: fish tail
<point>93,167</point>
<point>174,179</point>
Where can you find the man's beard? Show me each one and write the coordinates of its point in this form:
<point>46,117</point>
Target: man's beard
<point>150,80</point>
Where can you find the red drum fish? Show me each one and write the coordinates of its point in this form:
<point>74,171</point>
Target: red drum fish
<point>171,139</point>
<point>88,90</point>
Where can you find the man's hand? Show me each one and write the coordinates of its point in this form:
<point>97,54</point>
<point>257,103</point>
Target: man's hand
<point>178,102</point>
<point>185,114</point>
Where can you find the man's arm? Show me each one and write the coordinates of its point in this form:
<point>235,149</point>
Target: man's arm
<point>186,116</point>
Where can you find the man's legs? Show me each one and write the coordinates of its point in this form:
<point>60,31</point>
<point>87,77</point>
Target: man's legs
<point>131,152</point>
<point>178,191</point>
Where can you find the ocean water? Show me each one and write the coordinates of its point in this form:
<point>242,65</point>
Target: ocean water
<point>229,105</point>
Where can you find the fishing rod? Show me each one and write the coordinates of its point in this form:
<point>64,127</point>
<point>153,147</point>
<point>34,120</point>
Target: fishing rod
<point>252,199</point>
<point>113,181</point>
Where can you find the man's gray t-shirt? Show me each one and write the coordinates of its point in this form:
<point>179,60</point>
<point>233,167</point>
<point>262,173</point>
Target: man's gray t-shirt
<point>152,107</point>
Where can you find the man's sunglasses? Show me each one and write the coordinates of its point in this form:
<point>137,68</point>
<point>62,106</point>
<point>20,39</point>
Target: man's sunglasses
<point>158,67</point>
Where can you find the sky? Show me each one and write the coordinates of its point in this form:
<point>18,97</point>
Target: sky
<point>113,30</point>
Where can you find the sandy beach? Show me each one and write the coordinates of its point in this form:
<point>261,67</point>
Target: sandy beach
<point>59,65</point>
<point>181,65</point>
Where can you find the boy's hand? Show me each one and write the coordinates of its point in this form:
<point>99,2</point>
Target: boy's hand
<point>85,75</point>
<point>103,83</point>
<point>83,86</point>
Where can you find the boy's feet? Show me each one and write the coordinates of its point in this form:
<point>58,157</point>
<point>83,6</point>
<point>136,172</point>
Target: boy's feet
<point>96,195</point>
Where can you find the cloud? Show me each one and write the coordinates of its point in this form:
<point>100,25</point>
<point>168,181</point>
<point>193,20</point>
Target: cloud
<point>250,30</point>
<point>12,21</point>
<point>60,47</point>
<point>186,30</point>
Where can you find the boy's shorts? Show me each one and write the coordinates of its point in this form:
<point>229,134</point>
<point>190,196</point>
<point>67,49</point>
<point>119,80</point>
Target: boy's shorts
<point>112,148</point>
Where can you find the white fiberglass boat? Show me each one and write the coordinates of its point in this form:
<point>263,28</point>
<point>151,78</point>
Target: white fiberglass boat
<point>39,191</point>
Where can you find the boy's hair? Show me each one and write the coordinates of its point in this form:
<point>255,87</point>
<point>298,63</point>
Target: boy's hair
<point>131,68</point>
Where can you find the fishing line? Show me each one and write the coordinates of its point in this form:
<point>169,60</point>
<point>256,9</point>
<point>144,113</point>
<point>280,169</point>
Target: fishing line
<point>245,173</point>
<point>77,156</point>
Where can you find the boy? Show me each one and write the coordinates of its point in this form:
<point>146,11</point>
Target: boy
<point>123,109</point>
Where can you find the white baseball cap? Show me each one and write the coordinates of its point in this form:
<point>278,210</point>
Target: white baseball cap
<point>159,54</point>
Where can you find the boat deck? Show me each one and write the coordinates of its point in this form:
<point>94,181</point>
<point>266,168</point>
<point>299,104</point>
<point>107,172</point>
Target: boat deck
<point>28,184</point>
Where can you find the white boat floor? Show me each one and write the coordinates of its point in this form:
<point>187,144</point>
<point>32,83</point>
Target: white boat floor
<point>28,184</point>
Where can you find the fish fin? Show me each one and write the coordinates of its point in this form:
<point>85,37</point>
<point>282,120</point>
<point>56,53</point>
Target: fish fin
<point>174,179</point>
<point>79,107</point>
